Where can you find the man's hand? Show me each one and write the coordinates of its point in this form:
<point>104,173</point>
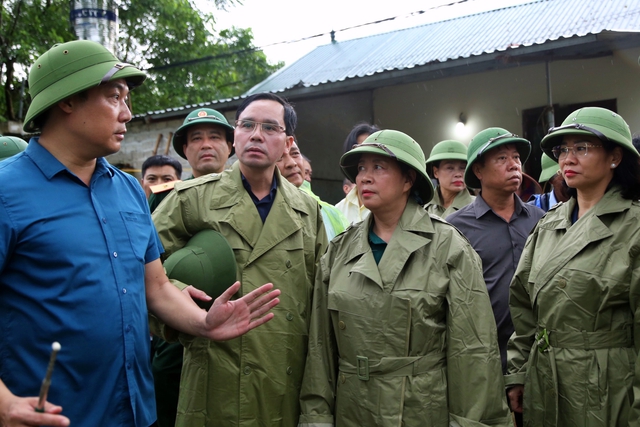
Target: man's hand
<point>229,319</point>
<point>21,411</point>
<point>196,294</point>
<point>515,398</point>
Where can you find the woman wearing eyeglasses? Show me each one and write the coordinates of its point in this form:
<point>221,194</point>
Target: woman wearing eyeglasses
<point>447,163</point>
<point>575,297</point>
<point>402,331</point>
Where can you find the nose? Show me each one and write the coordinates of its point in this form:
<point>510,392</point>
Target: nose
<point>363,176</point>
<point>125,113</point>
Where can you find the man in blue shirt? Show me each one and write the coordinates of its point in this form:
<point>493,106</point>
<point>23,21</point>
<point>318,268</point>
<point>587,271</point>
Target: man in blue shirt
<point>79,256</point>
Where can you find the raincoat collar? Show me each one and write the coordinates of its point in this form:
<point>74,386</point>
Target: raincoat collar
<point>588,229</point>
<point>412,233</point>
<point>243,216</point>
<point>461,200</point>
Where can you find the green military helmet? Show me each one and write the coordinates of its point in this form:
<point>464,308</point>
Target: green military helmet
<point>489,139</point>
<point>447,150</point>
<point>196,117</point>
<point>394,144</point>
<point>206,262</point>
<point>595,121</point>
<point>549,168</point>
<point>10,146</point>
<point>70,68</point>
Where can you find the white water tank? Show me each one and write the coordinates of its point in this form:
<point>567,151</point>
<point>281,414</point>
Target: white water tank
<point>96,20</point>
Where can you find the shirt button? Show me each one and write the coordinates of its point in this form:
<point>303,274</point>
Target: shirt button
<point>247,370</point>
<point>128,328</point>
<point>124,290</point>
<point>104,220</point>
<point>128,365</point>
<point>288,263</point>
<point>341,325</point>
<point>562,283</point>
<point>289,370</point>
<point>115,254</point>
<point>289,316</point>
<point>342,378</point>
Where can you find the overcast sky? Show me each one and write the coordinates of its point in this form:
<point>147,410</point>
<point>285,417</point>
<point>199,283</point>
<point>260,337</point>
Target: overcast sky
<point>276,21</point>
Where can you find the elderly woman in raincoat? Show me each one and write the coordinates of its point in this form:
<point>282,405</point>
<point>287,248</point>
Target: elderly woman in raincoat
<point>447,163</point>
<point>402,331</point>
<point>575,296</point>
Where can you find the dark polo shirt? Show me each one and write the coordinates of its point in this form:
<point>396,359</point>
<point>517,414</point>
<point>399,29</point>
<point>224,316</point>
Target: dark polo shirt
<point>499,244</point>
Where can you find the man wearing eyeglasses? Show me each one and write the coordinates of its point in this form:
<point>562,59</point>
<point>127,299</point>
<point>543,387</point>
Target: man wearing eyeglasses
<point>497,223</point>
<point>276,232</point>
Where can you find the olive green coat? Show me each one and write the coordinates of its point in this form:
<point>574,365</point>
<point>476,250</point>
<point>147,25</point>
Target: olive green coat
<point>411,341</point>
<point>253,380</point>
<point>580,283</point>
<point>461,200</point>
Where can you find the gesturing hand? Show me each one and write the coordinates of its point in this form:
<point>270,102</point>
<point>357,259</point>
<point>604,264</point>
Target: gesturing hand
<point>227,319</point>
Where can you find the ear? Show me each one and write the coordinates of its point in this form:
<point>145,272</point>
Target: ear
<point>477,171</point>
<point>410,179</point>
<point>288,143</point>
<point>67,104</point>
<point>435,172</point>
<point>616,155</point>
<point>230,145</point>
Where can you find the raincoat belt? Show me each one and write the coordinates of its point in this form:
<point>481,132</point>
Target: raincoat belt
<point>585,340</point>
<point>393,366</point>
<point>543,356</point>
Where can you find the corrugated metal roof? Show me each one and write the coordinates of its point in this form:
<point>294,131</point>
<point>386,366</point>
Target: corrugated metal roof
<point>497,30</point>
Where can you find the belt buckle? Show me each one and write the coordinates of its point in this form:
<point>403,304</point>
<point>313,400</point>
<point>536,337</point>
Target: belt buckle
<point>362,364</point>
<point>542,340</point>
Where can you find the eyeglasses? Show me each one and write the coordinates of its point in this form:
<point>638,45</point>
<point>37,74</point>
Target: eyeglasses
<point>488,143</point>
<point>601,136</point>
<point>376,145</point>
<point>249,126</point>
<point>561,152</point>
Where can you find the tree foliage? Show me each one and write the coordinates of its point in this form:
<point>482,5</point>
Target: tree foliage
<point>187,61</point>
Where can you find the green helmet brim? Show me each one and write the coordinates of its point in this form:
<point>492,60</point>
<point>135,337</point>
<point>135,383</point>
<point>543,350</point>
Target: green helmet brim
<point>401,147</point>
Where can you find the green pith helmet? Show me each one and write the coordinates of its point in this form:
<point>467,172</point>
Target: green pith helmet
<point>447,150</point>
<point>10,146</point>
<point>206,262</point>
<point>396,145</point>
<point>595,121</point>
<point>549,168</point>
<point>196,117</point>
<point>70,68</point>
<point>489,139</point>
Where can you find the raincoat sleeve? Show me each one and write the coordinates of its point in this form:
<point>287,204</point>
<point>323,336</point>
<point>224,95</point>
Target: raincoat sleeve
<point>522,316</point>
<point>474,371</point>
<point>168,220</point>
<point>634,299</point>
<point>317,395</point>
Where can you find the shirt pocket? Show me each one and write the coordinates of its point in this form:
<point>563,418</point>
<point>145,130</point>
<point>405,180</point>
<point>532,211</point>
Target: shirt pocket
<point>138,226</point>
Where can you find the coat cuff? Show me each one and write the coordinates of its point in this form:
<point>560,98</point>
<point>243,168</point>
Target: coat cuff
<point>514,379</point>
<point>315,420</point>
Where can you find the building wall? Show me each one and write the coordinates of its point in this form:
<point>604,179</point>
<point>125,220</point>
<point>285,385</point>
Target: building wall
<point>428,111</point>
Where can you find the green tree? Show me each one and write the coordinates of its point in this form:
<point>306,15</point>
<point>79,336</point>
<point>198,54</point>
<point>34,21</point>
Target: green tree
<point>187,61</point>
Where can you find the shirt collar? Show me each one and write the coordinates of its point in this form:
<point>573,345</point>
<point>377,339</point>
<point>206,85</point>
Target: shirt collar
<point>51,166</point>
<point>247,186</point>
<point>481,207</point>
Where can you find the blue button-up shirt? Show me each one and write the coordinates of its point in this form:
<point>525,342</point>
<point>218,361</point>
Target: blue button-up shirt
<point>72,262</point>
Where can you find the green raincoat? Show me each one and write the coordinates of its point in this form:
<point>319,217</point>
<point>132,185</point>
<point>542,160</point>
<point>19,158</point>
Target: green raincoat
<point>253,380</point>
<point>409,342</point>
<point>461,200</point>
<point>575,305</point>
